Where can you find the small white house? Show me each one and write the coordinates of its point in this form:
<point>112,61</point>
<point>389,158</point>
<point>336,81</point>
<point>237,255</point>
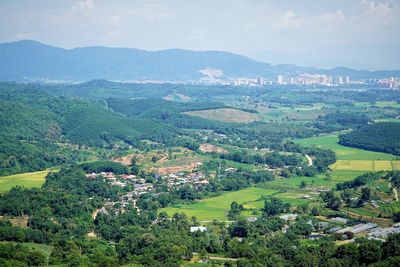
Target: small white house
<point>289,217</point>
<point>198,229</point>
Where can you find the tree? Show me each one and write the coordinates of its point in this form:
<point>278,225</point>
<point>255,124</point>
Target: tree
<point>365,196</point>
<point>391,247</point>
<point>396,216</point>
<point>303,208</point>
<point>235,210</point>
<point>369,251</point>
<point>274,206</point>
<point>315,211</point>
<point>348,253</point>
<point>239,228</point>
<point>346,196</point>
<point>332,201</point>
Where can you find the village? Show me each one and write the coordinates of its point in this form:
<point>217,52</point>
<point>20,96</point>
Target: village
<point>135,186</point>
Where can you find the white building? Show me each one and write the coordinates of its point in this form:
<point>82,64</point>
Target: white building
<point>198,229</point>
<point>280,79</point>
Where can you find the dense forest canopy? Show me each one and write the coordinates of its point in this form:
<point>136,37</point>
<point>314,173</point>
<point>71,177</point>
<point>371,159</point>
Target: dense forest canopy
<point>383,137</point>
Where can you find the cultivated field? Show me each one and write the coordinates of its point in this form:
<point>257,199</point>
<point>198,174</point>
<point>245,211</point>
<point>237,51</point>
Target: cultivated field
<point>366,165</point>
<point>28,180</point>
<point>216,208</point>
<point>225,115</point>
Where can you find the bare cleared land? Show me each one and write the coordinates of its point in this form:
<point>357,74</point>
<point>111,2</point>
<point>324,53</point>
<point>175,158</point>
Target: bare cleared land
<point>209,148</point>
<point>225,115</point>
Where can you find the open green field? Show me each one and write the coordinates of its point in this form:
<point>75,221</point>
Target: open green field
<point>293,183</point>
<point>353,159</point>
<point>215,208</point>
<point>343,152</point>
<point>27,179</point>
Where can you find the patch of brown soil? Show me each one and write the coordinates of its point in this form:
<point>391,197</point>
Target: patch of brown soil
<point>208,148</point>
<point>175,169</point>
<point>126,160</point>
<point>21,221</point>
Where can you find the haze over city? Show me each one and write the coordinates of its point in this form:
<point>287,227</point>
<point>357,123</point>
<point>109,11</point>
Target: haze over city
<point>360,34</point>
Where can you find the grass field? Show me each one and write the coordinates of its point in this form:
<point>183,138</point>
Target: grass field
<point>28,180</point>
<point>293,183</point>
<point>226,115</point>
<point>217,207</point>
<point>353,159</point>
<point>343,152</point>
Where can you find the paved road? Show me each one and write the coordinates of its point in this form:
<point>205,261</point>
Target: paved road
<point>310,161</point>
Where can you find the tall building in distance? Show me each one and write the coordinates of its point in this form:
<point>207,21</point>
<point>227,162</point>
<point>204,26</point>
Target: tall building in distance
<point>280,79</point>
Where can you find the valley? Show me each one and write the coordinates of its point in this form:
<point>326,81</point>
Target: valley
<point>228,161</point>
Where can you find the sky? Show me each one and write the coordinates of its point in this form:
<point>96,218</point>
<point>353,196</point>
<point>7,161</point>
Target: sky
<point>361,34</point>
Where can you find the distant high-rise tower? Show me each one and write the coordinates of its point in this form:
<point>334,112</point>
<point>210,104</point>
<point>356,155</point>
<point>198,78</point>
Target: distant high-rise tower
<point>347,80</point>
<point>280,79</point>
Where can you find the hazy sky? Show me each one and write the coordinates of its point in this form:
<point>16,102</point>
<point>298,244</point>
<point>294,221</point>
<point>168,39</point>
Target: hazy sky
<point>354,33</point>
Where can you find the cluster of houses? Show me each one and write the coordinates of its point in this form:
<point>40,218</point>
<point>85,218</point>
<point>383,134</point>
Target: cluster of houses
<point>177,180</point>
<point>139,184</point>
<point>206,136</point>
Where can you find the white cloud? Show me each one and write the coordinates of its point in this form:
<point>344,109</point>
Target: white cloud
<point>384,12</point>
<point>115,19</point>
<point>83,5</point>
<point>197,34</point>
<point>24,35</point>
<point>289,20</point>
<point>151,11</point>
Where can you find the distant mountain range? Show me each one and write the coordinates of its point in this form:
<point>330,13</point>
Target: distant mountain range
<point>34,61</point>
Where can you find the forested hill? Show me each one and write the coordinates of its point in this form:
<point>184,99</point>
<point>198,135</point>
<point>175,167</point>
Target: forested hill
<point>382,137</point>
<point>36,128</point>
<point>33,61</point>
